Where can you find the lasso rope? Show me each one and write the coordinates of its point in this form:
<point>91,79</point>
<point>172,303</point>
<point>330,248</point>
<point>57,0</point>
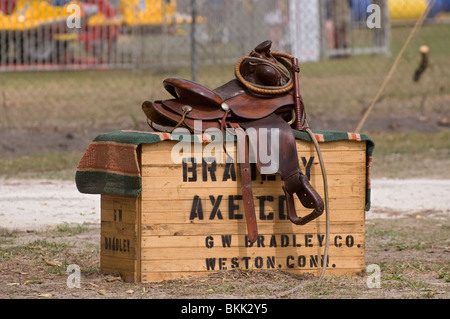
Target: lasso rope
<point>417,26</point>
<point>284,59</point>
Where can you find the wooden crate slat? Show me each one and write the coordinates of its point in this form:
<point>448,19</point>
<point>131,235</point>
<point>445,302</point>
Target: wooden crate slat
<point>270,215</point>
<point>184,229</point>
<point>335,239</point>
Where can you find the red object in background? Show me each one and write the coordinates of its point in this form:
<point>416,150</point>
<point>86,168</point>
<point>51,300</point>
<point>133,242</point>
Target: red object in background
<point>98,38</point>
<point>104,7</point>
<point>7,6</point>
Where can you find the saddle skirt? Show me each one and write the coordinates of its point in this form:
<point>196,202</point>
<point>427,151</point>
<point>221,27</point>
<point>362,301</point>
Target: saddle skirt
<point>236,106</point>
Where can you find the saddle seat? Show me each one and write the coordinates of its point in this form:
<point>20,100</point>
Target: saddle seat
<point>241,102</point>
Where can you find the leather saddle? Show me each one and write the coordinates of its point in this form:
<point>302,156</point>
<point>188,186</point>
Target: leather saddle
<point>264,95</point>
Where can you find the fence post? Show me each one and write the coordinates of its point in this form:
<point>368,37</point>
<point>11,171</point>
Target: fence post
<point>193,45</point>
<point>165,36</point>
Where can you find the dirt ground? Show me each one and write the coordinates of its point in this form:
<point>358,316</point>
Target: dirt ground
<point>34,265</point>
<point>412,249</point>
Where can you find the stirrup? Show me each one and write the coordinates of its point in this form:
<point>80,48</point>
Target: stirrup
<point>299,184</point>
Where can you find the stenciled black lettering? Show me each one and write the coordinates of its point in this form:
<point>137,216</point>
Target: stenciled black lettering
<point>284,240</point>
<point>308,239</point>
<point>349,241</point>
<point>226,241</point>
<point>262,215</point>
<point>294,241</point>
<point>260,241</point>
<point>281,207</point>
<point>209,165</point>
<point>336,238</point>
<point>117,215</point>
<point>308,165</point>
<point>259,262</point>
<point>270,262</point>
<point>248,243</point>
<point>210,263</point>
<point>301,261</point>
<point>117,244</point>
<point>197,209</point>
<point>246,260</point>
<point>222,263</point>
<point>273,241</point>
<point>233,207</point>
<point>269,178</point>
<point>189,169</point>
<point>229,172</point>
<point>321,239</point>
<point>314,260</point>
<point>289,264</point>
<point>216,204</point>
<point>322,258</point>
<point>253,171</point>
<point>209,242</point>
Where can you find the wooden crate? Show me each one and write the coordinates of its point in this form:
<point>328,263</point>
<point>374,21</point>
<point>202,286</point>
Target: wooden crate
<point>189,219</point>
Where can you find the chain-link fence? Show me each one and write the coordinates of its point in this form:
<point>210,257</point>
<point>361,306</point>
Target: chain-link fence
<point>92,63</point>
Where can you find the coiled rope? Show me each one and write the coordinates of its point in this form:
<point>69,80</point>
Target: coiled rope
<point>283,58</point>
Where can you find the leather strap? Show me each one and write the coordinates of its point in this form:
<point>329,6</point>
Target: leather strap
<point>246,182</point>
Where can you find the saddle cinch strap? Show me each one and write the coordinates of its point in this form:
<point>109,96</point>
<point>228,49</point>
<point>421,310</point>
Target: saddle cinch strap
<point>234,105</point>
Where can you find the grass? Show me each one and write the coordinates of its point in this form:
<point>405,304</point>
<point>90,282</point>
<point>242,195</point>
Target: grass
<point>42,165</point>
<point>411,155</point>
<point>394,234</point>
<point>70,230</point>
<point>35,249</point>
<point>413,142</point>
<point>50,250</point>
<point>410,273</point>
<point>94,98</point>
<point>412,251</point>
